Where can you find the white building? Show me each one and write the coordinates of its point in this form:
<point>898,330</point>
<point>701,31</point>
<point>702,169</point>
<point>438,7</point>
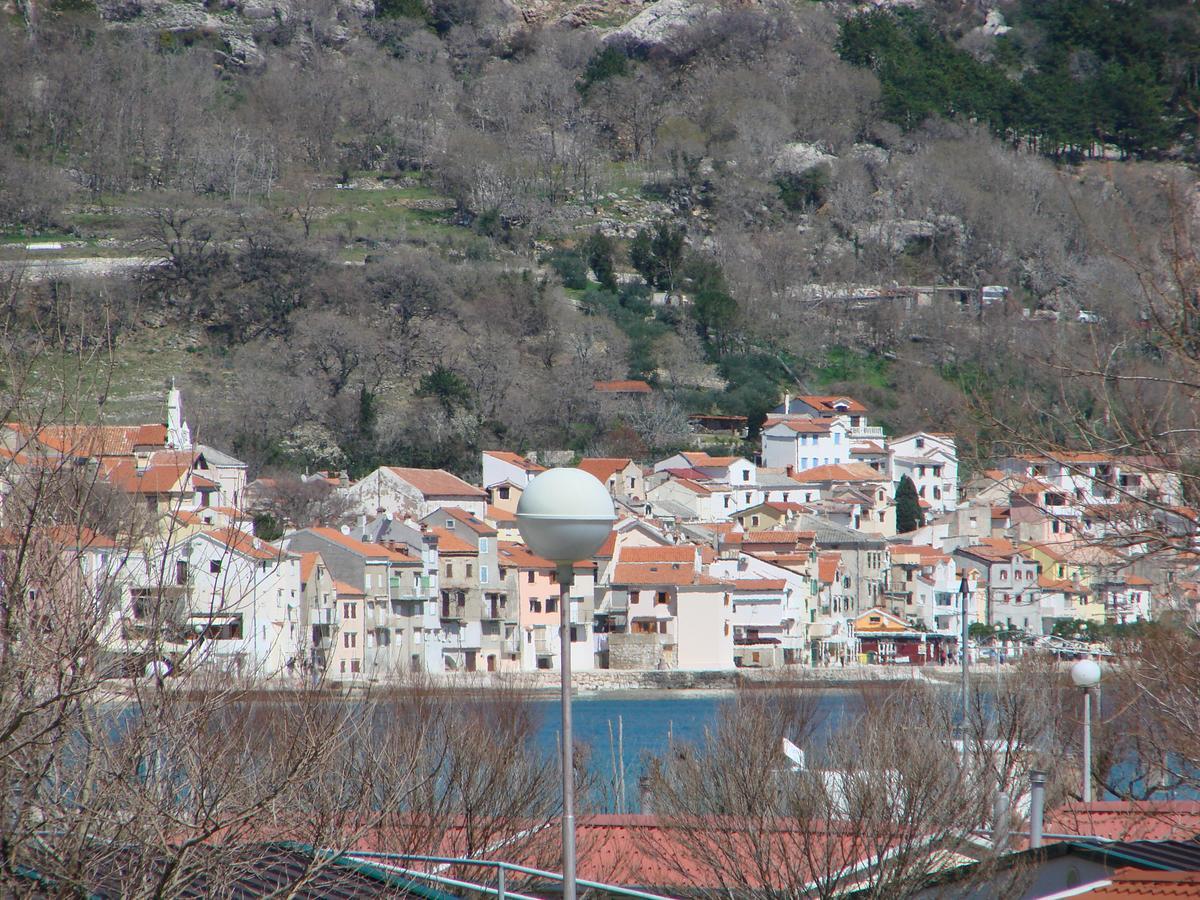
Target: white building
<point>931,460</point>
<point>243,601</point>
<point>413,493</point>
<point>769,610</point>
<point>798,443</point>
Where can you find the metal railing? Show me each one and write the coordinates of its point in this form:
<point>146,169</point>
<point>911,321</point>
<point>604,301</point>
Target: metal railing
<point>499,891</point>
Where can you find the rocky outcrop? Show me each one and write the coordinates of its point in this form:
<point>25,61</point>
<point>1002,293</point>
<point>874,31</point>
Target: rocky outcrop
<point>797,157</point>
<point>658,26</point>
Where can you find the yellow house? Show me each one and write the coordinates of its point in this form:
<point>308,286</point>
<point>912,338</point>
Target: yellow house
<point>1063,563</point>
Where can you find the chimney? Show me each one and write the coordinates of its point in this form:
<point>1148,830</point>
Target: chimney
<point>1037,807</point>
<point>791,470</point>
<point>787,403</point>
<point>1000,812</point>
<point>362,526</point>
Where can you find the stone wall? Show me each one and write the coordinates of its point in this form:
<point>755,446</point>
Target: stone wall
<point>634,651</point>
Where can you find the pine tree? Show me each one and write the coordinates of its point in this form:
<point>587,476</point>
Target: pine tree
<point>908,507</point>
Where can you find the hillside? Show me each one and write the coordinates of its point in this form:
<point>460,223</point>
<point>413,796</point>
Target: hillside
<point>398,230</point>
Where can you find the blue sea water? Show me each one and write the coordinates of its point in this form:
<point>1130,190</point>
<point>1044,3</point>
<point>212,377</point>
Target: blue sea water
<point>629,726</point>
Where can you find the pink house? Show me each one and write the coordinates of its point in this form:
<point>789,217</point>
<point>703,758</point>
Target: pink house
<point>533,580</point>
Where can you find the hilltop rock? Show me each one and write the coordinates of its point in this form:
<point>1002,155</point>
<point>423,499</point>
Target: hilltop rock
<point>659,24</point>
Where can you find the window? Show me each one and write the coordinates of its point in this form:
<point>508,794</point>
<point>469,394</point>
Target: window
<point>727,501</point>
<point>354,666</point>
<point>635,596</point>
<point>483,545</point>
<point>531,577</point>
<point>449,570</point>
<point>920,443</point>
<point>662,597</point>
<point>449,524</point>
<point>754,520</point>
<point>214,566</point>
<point>349,611</point>
<point>726,629</point>
<point>745,475</point>
<point>483,574</point>
<point>551,604</point>
<point>343,668</point>
<point>470,570</point>
<point>503,493</point>
<point>181,571</point>
<point>632,483</point>
<point>837,437</point>
<point>535,605</point>
<point>349,640</point>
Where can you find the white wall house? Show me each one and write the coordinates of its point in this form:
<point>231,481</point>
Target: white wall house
<point>769,602</point>
<point>501,466</point>
<point>244,601</point>
<point>403,493</point>
<point>931,461</point>
<point>802,444</point>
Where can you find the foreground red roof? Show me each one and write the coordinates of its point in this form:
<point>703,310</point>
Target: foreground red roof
<point>1130,882</point>
<point>1120,820</point>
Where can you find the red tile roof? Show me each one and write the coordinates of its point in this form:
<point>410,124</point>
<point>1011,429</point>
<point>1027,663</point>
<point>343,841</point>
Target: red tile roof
<point>801,426</point>
<point>500,516</point>
<point>123,474</point>
<point>475,524</point>
<point>690,474</point>
<point>682,553</point>
<point>826,402</point>
<point>622,387</point>
<point>603,468</point>
<point>697,459</point>
<point>1130,882</point>
<point>655,574</point>
<point>245,544</point>
<point>1120,820</point>
<point>827,566</point>
<point>95,440</point>
<point>308,562</point>
<point>451,543</point>
<point>789,538</point>
<point>846,472</point>
<point>371,551</point>
<point>347,590</point>
<point>515,459</point>
<point>438,483</point>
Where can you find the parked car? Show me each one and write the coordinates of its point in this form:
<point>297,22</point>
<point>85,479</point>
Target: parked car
<point>1087,317</point>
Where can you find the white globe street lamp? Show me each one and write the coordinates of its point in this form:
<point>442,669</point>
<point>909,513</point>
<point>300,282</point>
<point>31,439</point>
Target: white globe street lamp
<point>1085,674</point>
<point>565,515</point>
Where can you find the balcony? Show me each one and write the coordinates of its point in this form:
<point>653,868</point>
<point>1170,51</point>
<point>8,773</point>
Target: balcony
<point>495,607</point>
<point>866,432</point>
<point>405,590</point>
<point>453,612</point>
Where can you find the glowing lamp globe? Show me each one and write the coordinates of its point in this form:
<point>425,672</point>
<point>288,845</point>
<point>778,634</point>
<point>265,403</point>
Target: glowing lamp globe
<point>1086,673</point>
<point>565,515</point>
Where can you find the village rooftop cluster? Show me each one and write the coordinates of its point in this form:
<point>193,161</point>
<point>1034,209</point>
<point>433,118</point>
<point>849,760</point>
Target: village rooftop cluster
<point>715,562</point>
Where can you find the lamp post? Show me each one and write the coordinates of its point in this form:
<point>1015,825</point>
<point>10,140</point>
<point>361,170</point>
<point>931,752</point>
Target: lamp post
<point>1086,674</point>
<point>564,516</point>
<point>964,591</point>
